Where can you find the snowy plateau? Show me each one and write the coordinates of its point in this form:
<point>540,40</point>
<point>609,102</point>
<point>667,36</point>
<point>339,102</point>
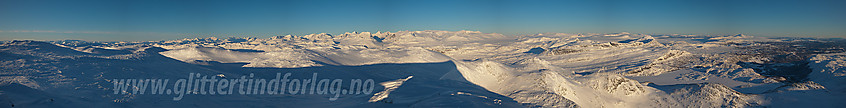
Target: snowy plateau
<point>443,69</point>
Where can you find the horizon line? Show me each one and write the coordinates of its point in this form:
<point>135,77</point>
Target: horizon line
<point>226,35</point>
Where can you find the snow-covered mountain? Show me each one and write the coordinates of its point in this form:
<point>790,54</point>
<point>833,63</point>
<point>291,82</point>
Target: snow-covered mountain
<point>441,69</point>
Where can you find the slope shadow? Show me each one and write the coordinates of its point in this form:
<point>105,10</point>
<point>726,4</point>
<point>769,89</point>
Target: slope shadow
<point>429,86</point>
<point>791,72</point>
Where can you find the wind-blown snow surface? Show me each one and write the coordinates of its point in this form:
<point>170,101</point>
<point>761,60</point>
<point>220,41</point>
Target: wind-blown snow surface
<point>449,69</point>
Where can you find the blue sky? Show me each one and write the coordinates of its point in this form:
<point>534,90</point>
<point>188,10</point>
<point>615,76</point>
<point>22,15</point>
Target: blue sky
<point>174,19</point>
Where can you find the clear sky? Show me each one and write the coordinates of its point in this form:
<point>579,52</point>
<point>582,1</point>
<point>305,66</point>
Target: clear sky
<point>174,19</point>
